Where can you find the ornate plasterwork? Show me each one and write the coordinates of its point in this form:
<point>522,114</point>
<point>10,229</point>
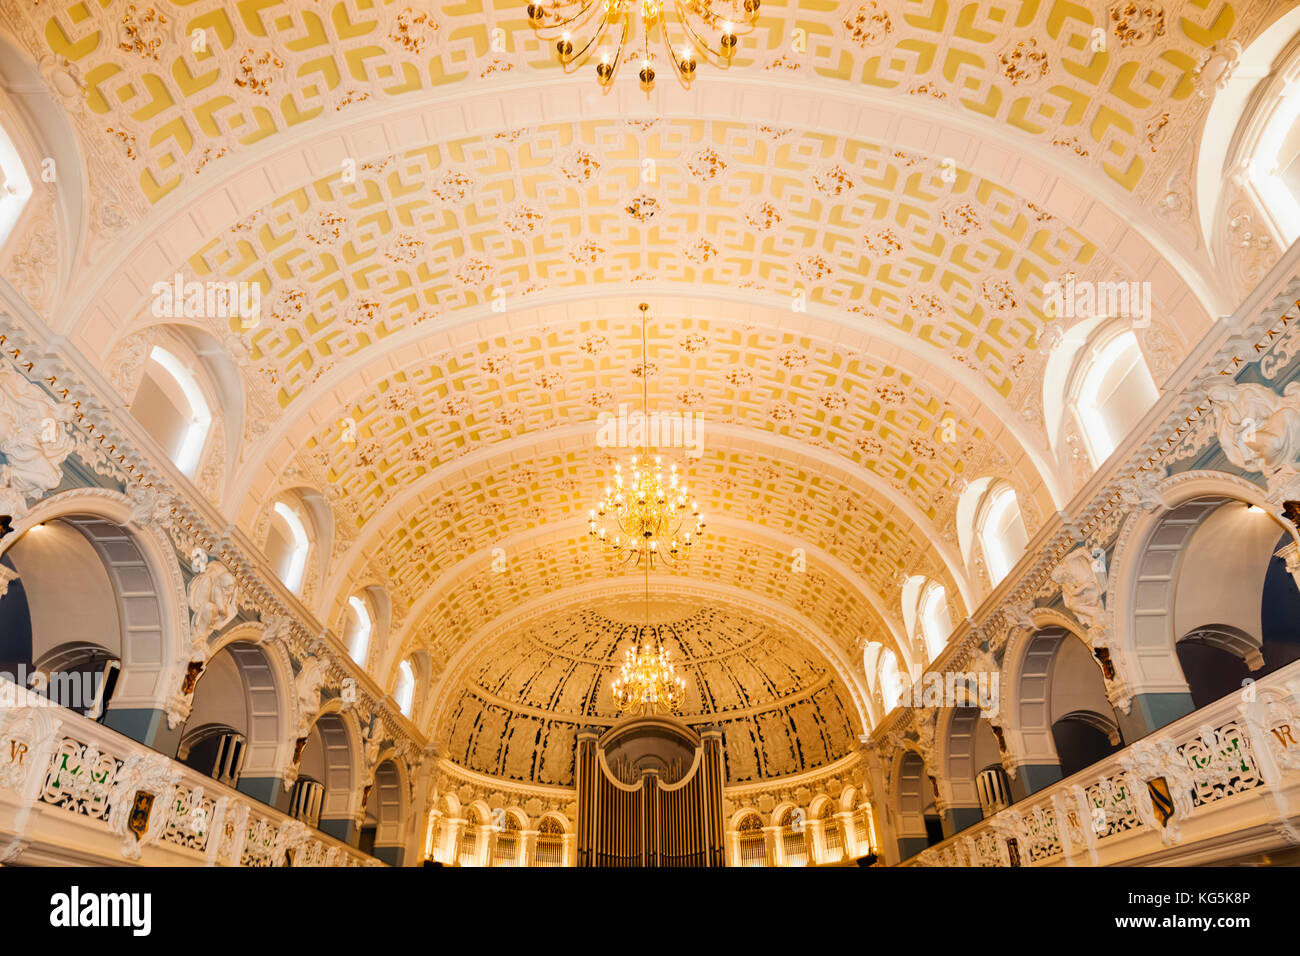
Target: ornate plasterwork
<point>35,438</point>
<point>322,305</point>
<point>1259,431</point>
<point>163,127</point>
<point>780,707</point>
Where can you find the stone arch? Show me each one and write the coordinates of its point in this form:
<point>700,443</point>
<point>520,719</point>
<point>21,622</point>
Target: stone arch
<point>1151,560</point>
<point>246,686</point>
<point>145,601</point>
<point>966,745</point>
<point>1041,696</point>
<point>387,805</point>
<point>332,757</point>
<point>913,795</point>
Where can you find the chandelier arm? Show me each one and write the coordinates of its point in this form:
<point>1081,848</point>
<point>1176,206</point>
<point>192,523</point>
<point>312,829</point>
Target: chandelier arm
<point>699,41</point>
<point>580,58</point>
<point>555,29</point>
<point>682,76</point>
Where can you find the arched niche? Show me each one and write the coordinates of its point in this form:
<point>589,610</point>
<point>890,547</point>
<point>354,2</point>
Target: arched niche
<point>383,831</point>
<point>243,690</point>
<point>331,757</point>
<point>88,589</point>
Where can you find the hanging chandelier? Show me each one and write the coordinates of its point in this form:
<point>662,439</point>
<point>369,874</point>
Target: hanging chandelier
<point>647,683</point>
<point>584,28</point>
<point>649,512</point>
<point>646,517</point>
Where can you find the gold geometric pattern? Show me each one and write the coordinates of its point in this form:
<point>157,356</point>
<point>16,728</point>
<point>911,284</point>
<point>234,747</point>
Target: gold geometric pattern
<point>479,594</point>
<point>178,105</point>
<point>488,224</point>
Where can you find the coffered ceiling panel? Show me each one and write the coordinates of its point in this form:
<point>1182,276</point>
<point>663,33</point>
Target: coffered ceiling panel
<point>171,91</point>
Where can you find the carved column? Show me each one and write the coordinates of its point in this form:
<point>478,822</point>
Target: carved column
<point>528,853</point>
<point>849,828</point>
<point>775,846</point>
<point>815,836</point>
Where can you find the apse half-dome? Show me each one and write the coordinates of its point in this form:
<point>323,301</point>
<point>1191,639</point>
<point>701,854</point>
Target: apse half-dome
<point>779,704</point>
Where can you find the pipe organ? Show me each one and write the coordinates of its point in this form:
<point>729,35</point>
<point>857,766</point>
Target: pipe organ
<point>650,794</point>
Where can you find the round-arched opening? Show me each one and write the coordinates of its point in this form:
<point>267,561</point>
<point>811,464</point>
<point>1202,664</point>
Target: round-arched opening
<point>237,700</point>
<point>918,822</point>
<point>1234,604</point>
<point>95,654</point>
<point>1063,691</point>
<point>328,760</point>
<point>381,833</point>
<point>977,783</point>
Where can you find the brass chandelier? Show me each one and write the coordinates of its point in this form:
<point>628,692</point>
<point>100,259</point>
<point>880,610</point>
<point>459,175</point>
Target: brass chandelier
<point>647,683</point>
<point>654,520</point>
<point>612,28</point>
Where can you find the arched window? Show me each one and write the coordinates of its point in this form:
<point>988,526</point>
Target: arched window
<point>936,625</point>
<point>751,845</point>
<point>360,626</point>
<point>288,545</point>
<point>891,681</point>
<point>171,406</point>
<point>550,843</point>
<point>1001,531</point>
<point>1114,391</point>
<point>404,692</point>
<point>793,840</point>
<point>15,186</point>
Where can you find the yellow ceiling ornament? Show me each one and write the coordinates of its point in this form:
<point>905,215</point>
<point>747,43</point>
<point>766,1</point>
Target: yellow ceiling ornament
<point>612,30</point>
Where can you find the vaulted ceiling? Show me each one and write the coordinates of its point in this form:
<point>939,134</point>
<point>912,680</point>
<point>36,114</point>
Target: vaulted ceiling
<point>843,240</point>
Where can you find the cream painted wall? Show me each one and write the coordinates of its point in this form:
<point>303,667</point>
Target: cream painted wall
<point>69,594</point>
<point>1221,577</point>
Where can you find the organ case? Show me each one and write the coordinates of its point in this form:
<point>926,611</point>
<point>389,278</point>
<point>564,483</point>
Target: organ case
<point>650,794</point>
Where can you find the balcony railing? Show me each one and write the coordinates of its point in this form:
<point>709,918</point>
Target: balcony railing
<point>1160,795</point>
<point>61,773</point>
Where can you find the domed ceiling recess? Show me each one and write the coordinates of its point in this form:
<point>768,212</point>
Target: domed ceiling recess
<point>781,708</point>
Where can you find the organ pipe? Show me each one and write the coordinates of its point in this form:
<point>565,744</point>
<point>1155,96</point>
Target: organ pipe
<point>640,815</point>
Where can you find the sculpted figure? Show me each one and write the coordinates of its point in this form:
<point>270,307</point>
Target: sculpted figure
<point>213,596</point>
<point>1258,429</point>
<point>1079,588</point>
<point>34,439</point>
